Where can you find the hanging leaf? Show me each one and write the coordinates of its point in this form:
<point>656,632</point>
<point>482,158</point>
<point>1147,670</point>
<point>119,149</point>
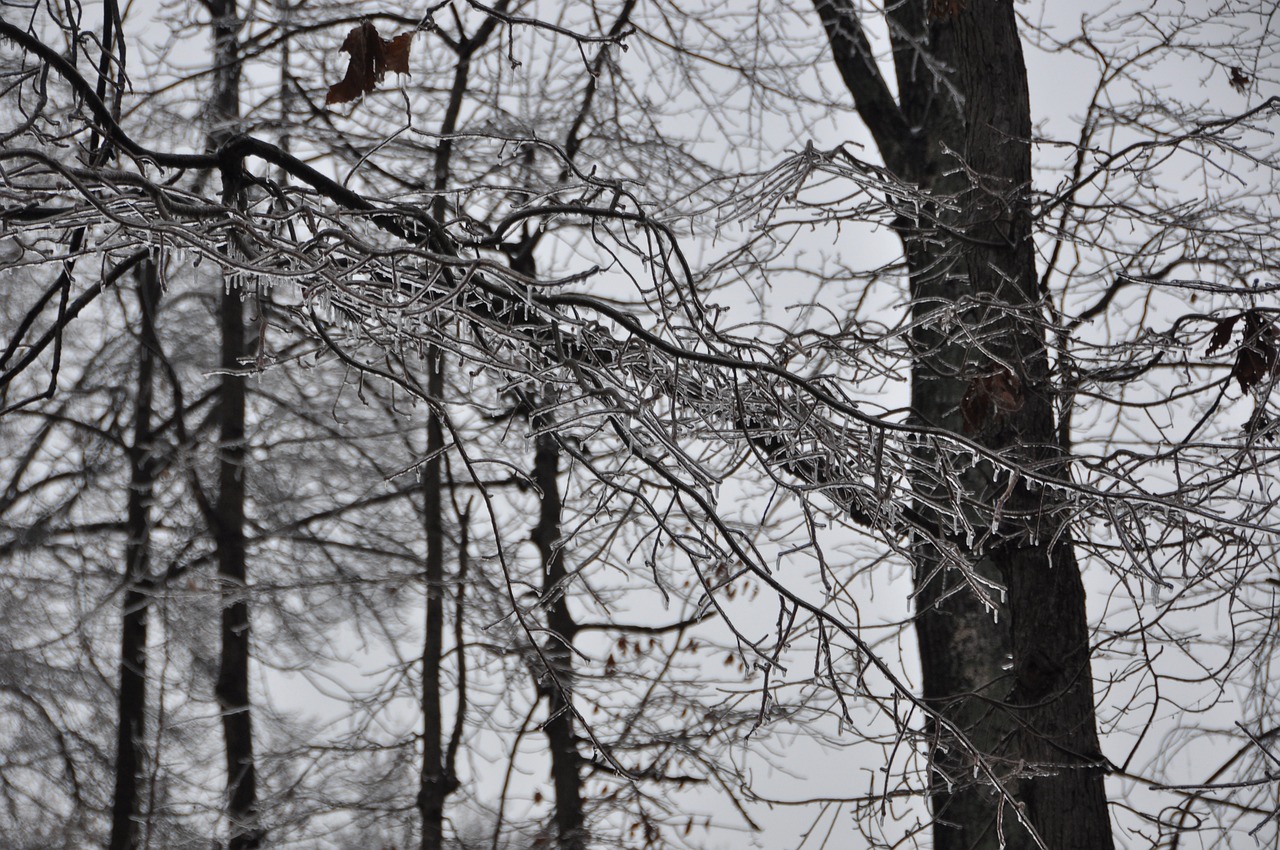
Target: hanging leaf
<point>1257,356</point>
<point>988,397</point>
<point>1250,367</point>
<point>1261,425</point>
<point>1240,81</point>
<point>1222,333</point>
<point>948,9</point>
<point>372,56</point>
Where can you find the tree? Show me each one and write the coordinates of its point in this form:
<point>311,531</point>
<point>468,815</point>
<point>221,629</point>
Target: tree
<point>131,717</point>
<point>1017,468</point>
<point>958,136</point>
<point>252,517</point>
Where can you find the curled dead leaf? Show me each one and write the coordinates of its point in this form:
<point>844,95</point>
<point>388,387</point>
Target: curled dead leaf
<point>1257,357</point>
<point>1250,367</point>
<point>372,56</point>
<point>1222,333</point>
<point>1261,425</point>
<point>988,397</point>
<point>948,9</point>
<point>1240,81</point>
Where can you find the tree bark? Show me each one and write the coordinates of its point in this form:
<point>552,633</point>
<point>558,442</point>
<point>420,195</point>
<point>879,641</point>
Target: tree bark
<point>131,723</point>
<point>556,683</point>
<point>960,133</point>
<point>232,686</point>
<point>1051,700</point>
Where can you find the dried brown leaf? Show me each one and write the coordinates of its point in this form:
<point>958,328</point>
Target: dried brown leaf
<point>372,56</point>
<point>990,396</point>
<point>1261,425</point>
<point>1222,333</point>
<point>948,9</point>
<point>1250,368</point>
<point>1257,356</point>
<point>1240,81</point>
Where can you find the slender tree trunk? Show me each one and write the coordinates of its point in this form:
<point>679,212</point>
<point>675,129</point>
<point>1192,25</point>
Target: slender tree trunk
<point>566,761</point>
<point>435,783</point>
<point>558,686</point>
<point>126,807</point>
<point>232,686</point>
<point>959,131</point>
<point>438,780</point>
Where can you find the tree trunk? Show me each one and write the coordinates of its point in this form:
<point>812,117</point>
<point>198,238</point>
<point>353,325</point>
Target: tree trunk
<point>566,761</point>
<point>232,687</point>
<point>126,807</point>
<point>1052,695</point>
<point>964,140</point>
<point>438,780</point>
<point>435,783</point>
<point>557,682</point>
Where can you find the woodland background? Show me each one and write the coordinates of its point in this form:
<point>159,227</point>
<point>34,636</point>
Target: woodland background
<point>572,441</point>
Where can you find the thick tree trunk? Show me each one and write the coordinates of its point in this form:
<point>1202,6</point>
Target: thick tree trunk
<point>566,761</point>
<point>1051,699</point>
<point>126,807</point>
<point>1052,696</point>
<point>959,131</point>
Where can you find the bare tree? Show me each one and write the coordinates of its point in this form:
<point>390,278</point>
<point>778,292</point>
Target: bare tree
<point>958,134</point>
<point>583,261</point>
<point>131,721</point>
